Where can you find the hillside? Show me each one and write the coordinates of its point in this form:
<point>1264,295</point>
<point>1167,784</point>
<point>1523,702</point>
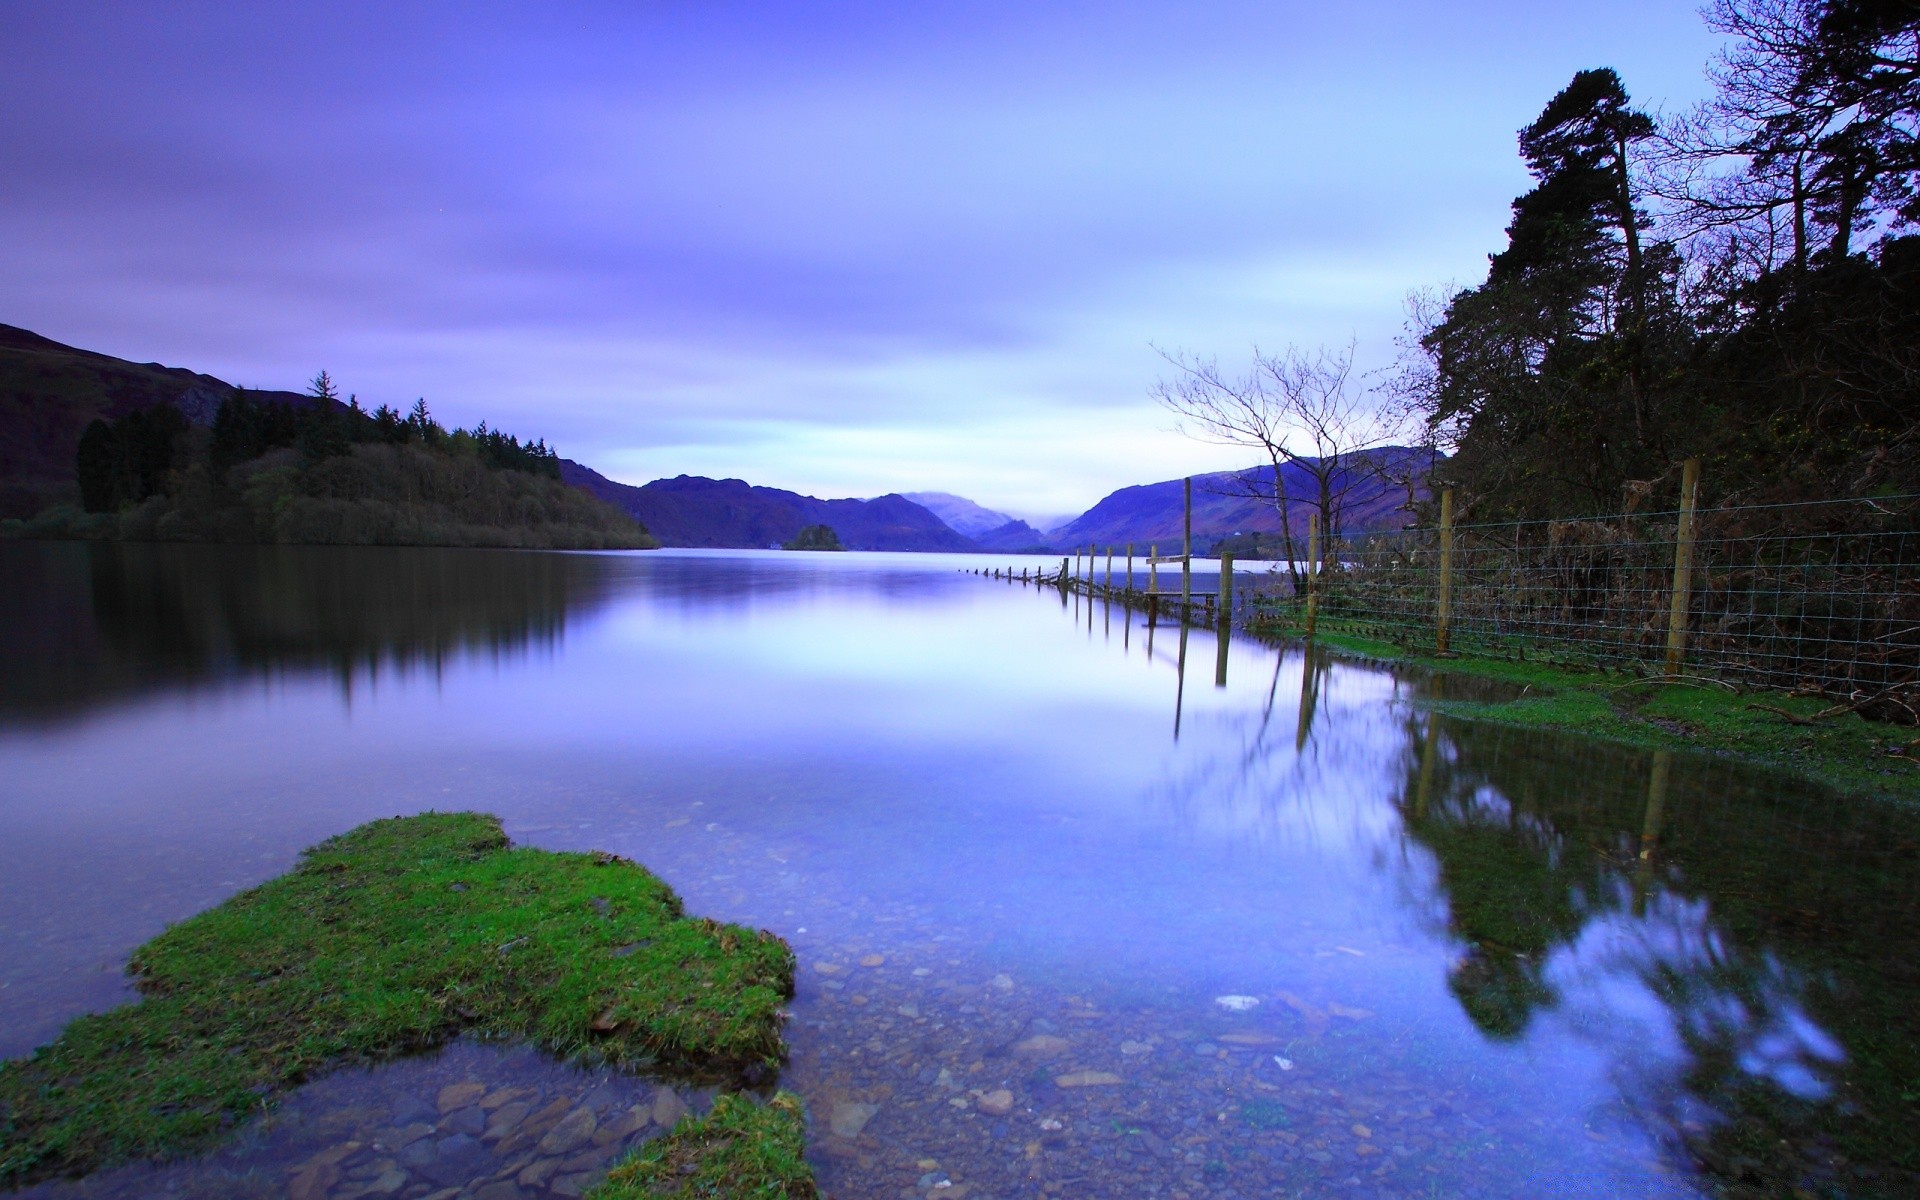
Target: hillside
<point>1151,512</point>
<point>162,453</point>
<point>50,393</point>
<point>962,515</point>
<point>691,510</point>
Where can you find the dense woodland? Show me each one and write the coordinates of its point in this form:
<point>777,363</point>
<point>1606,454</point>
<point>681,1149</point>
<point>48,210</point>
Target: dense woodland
<point>321,471</point>
<point>1739,283</point>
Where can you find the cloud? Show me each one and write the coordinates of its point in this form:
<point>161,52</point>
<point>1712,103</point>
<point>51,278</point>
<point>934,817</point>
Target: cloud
<point>862,249</point>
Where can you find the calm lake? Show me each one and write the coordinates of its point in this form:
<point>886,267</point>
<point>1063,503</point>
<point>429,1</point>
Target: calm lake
<point>1082,908</point>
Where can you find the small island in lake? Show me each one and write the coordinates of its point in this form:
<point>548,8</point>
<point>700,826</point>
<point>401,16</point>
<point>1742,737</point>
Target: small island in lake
<point>815,537</point>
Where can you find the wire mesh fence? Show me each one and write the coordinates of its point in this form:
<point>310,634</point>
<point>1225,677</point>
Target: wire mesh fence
<point>1819,597</point>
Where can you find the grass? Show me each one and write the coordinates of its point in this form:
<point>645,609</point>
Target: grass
<point>1846,752</point>
<point>741,1150</point>
<point>389,939</point>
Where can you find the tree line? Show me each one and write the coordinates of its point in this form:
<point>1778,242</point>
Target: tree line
<point>1739,283</point>
<point>124,461</point>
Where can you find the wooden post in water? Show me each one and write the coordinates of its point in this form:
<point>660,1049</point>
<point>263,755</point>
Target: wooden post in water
<point>1153,569</point>
<point>1109,569</point>
<point>1444,618</point>
<point>1226,591</point>
<point>1313,563</point>
<point>1682,568</point>
<point>1223,633</point>
<point>1129,567</point>
<point>1186,550</point>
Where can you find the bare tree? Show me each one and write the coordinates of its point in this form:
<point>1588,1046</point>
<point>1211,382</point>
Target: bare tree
<point>1296,409</point>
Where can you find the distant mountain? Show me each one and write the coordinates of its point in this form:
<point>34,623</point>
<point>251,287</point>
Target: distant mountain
<point>50,393</point>
<point>1151,513</point>
<point>962,515</point>
<point>690,510</point>
<point>1012,537</point>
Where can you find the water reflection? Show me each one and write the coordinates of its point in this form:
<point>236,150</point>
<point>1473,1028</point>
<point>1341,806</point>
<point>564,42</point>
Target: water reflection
<point>1523,964</point>
<point>84,623</point>
<point>1744,950</point>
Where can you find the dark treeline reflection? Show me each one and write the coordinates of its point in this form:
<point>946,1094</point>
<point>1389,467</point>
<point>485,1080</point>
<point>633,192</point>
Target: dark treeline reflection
<point>1747,947</point>
<point>86,623</point>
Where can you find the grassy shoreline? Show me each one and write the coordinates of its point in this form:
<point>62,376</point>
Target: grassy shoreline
<point>1846,752</point>
<point>393,938</point>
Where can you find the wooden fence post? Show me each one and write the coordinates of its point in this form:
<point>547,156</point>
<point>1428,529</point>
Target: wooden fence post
<point>1129,568</point>
<point>1313,563</point>
<point>1109,568</point>
<point>1226,592</point>
<point>1444,619</point>
<point>1186,552</point>
<point>1153,569</point>
<point>1682,568</point>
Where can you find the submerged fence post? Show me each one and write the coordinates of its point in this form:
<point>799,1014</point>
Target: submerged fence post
<point>1109,568</point>
<point>1153,569</point>
<point>1444,620</point>
<point>1129,568</point>
<point>1682,568</point>
<point>1313,573</point>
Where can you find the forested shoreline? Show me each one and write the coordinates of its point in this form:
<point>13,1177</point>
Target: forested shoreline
<point>324,472</point>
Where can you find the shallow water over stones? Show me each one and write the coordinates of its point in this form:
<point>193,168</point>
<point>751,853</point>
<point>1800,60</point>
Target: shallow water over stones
<point>1077,912</point>
<point>474,1120</point>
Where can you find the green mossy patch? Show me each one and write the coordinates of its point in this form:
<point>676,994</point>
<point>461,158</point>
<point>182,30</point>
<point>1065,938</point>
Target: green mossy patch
<point>741,1150</point>
<point>1846,752</point>
<point>392,938</point>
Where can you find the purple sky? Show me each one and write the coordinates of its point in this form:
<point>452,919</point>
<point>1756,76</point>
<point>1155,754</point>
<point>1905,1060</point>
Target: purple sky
<point>845,249</point>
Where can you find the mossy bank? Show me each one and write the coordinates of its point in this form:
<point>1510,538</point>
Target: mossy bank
<point>390,939</point>
<point>1772,729</point>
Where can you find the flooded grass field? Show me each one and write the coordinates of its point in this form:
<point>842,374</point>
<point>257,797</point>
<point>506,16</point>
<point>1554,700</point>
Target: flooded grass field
<point>1082,907</point>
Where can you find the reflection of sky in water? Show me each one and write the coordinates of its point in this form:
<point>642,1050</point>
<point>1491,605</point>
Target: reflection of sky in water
<point>888,744</point>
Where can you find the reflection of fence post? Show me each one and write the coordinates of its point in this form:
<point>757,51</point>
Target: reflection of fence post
<point>1650,827</point>
<point>1444,618</point>
<point>1313,572</point>
<point>1682,568</point>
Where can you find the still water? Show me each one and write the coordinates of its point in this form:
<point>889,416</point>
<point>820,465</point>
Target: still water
<point>1082,907</point>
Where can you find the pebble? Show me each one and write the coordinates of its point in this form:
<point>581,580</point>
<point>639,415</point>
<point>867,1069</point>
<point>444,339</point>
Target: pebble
<point>668,1108</point>
<point>1080,1079</point>
<point>1042,1045</point>
<point>1237,1003</point>
<point>459,1095</point>
<point>874,960</point>
<point>997,1103</point>
<point>572,1132</point>
<point>850,1117</point>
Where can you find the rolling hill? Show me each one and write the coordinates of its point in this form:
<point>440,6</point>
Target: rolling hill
<point>691,510</point>
<point>1151,512</point>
